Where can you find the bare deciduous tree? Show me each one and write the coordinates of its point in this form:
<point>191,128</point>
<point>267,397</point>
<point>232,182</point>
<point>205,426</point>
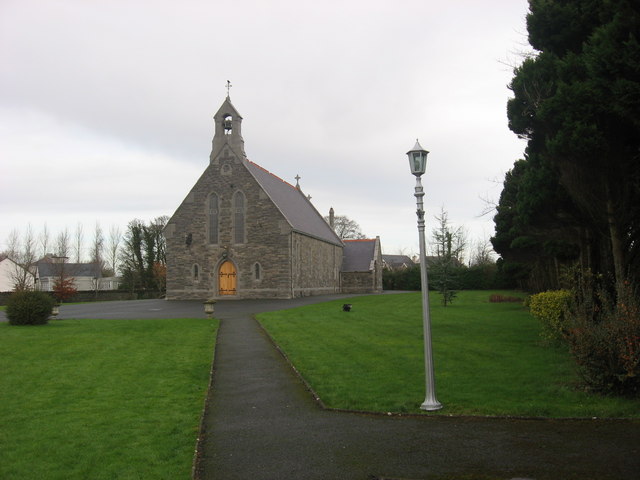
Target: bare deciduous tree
<point>62,244</point>
<point>482,253</point>
<point>44,239</point>
<point>113,247</point>
<point>22,251</point>
<point>346,228</point>
<point>77,247</point>
<point>97,248</point>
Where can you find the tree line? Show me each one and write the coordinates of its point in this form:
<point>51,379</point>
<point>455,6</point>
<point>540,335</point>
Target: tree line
<point>574,199</point>
<point>137,255</point>
<point>568,218</point>
<point>452,264</point>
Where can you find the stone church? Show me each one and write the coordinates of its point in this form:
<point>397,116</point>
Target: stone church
<point>242,232</point>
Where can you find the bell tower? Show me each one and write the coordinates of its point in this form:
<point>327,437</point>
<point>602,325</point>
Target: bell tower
<point>228,131</point>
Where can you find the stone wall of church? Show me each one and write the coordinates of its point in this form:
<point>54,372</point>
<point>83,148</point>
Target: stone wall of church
<point>262,261</point>
<point>358,282</point>
<point>316,266</point>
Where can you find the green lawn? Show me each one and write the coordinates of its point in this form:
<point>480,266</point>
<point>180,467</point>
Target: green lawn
<point>488,357</point>
<point>102,399</point>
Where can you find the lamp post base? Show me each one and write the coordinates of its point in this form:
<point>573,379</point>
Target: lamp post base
<point>431,406</point>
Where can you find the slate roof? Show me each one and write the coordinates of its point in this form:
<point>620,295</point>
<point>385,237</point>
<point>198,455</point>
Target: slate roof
<point>49,269</point>
<point>358,255</point>
<point>294,205</point>
<point>397,261</point>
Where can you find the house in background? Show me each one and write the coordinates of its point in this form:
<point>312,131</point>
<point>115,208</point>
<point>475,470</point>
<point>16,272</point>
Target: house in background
<point>84,275</point>
<point>48,269</point>
<point>397,262</point>
<point>9,271</point>
<point>362,266</point>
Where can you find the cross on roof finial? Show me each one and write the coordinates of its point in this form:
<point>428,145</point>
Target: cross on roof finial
<point>228,87</point>
<point>297,177</point>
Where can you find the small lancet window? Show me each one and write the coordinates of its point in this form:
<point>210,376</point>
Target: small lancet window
<point>213,218</point>
<point>257,271</point>
<point>196,272</point>
<point>239,217</point>
<point>227,123</point>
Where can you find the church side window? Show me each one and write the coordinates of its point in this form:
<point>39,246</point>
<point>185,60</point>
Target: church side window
<point>213,218</point>
<point>239,217</point>
<point>257,271</point>
<point>196,272</point>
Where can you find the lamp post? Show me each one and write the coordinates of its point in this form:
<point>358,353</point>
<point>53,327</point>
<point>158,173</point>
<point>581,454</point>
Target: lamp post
<point>418,164</point>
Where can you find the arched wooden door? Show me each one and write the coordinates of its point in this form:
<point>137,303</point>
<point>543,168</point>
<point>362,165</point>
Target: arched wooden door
<point>227,279</point>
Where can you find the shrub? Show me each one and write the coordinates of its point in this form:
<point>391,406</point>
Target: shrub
<point>548,308</point>
<point>604,337</point>
<point>29,308</point>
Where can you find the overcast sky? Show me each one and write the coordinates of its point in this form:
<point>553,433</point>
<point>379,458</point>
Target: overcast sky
<point>106,106</point>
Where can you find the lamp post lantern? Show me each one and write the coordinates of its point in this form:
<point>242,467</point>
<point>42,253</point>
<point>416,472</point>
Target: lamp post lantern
<point>418,164</point>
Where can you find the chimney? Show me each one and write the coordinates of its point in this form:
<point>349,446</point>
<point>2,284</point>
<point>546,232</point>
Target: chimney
<point>331,218</point>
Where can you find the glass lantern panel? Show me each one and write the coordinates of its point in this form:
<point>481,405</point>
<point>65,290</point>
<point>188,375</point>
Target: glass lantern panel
<point>418,164</point>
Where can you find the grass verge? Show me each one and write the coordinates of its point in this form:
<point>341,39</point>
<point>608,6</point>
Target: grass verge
<point>489,358</point>
<point>102,399</point>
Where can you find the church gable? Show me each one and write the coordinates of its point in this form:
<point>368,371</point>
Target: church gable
<point>227,229</point>
<point>243,232</point>
<point>224,199</point>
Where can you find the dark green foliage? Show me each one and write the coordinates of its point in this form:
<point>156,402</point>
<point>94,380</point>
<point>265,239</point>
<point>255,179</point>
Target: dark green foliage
<point>29,308</point>
<point>403,279</point>
<point>535,226</point>
<point>604,336</point>
<point>143,256</point>
<point>575,199</point>
<point>576,196</point>
<point>444,278</point>
<point>445,267</point>
<point>475,277</point>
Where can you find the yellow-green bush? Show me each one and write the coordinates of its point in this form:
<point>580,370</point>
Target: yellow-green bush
<point>549,308</point>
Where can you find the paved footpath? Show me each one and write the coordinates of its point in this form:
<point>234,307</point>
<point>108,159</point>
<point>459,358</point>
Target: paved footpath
<point>261,423</point>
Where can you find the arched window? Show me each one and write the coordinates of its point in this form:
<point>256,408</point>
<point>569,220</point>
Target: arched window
<point>196,272</point>
<point>213,218</point>
<point>238,218</point>
<point>257,271</point>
